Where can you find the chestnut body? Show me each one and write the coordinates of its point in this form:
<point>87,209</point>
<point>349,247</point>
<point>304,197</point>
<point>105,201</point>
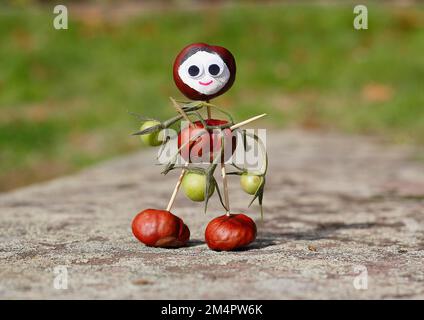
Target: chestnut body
<point>198,147</point>
<point>231,232</point>
<point>160,228</point>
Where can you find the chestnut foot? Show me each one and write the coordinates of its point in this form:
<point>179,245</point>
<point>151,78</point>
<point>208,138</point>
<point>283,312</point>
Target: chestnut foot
<point>230,232</point>
<point>160,228</point>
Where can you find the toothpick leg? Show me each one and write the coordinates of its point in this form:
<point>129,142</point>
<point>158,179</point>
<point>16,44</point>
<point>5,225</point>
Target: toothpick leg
<point>225,183</point>
<point>177,187</point>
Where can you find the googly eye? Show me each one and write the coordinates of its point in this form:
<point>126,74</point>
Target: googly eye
<point>214,69</point>
<point>194,71</point>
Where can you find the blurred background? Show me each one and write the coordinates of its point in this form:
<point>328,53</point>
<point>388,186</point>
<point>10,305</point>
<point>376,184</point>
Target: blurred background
<point>65,94</point>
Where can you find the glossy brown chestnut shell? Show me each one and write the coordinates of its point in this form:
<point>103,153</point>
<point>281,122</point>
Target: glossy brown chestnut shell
<point>191,49</point>
<point>160,228</point>
<point>230,232</point>
<point>194,144</point>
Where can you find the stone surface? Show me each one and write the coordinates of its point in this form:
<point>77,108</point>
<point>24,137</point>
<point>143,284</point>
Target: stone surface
<point>333,207</point>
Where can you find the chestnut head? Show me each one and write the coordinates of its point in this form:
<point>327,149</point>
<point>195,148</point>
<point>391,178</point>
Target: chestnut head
<point>203,72</point>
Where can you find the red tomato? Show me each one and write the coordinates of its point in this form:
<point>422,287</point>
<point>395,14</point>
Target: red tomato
<point>160,228</point>
<point>231,232</point>
<point>203,148</point>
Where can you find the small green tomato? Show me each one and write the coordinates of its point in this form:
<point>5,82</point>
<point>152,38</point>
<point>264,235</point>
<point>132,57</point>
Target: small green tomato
<point>151,139</point>
<point>250,182</point>
<point>194,186</point>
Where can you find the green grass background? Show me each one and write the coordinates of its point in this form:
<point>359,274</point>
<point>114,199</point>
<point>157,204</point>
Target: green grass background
<point>64,95</point>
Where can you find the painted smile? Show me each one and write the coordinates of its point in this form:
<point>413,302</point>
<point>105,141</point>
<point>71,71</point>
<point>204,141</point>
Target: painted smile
<point>205,83</point>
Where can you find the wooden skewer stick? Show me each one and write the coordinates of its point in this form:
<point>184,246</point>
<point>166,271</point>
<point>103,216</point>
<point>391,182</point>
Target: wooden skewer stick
<point>183,172</point>
<point>225,183</point>
<point>180,110</point>
<point>177,187</point>
<point>240,124</point>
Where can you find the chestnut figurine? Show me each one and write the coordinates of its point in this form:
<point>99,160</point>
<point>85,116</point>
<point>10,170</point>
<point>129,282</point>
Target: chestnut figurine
<point>160,228</point>
<point>202,71</point>
<point>230,232</point>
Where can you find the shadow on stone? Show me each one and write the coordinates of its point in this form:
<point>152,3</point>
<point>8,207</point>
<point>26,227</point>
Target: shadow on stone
<point>258,244</point>
<point>195,243</point>
<point>322,231</point>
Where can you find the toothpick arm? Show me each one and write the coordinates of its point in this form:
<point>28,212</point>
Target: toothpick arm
<point>240,124</point>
